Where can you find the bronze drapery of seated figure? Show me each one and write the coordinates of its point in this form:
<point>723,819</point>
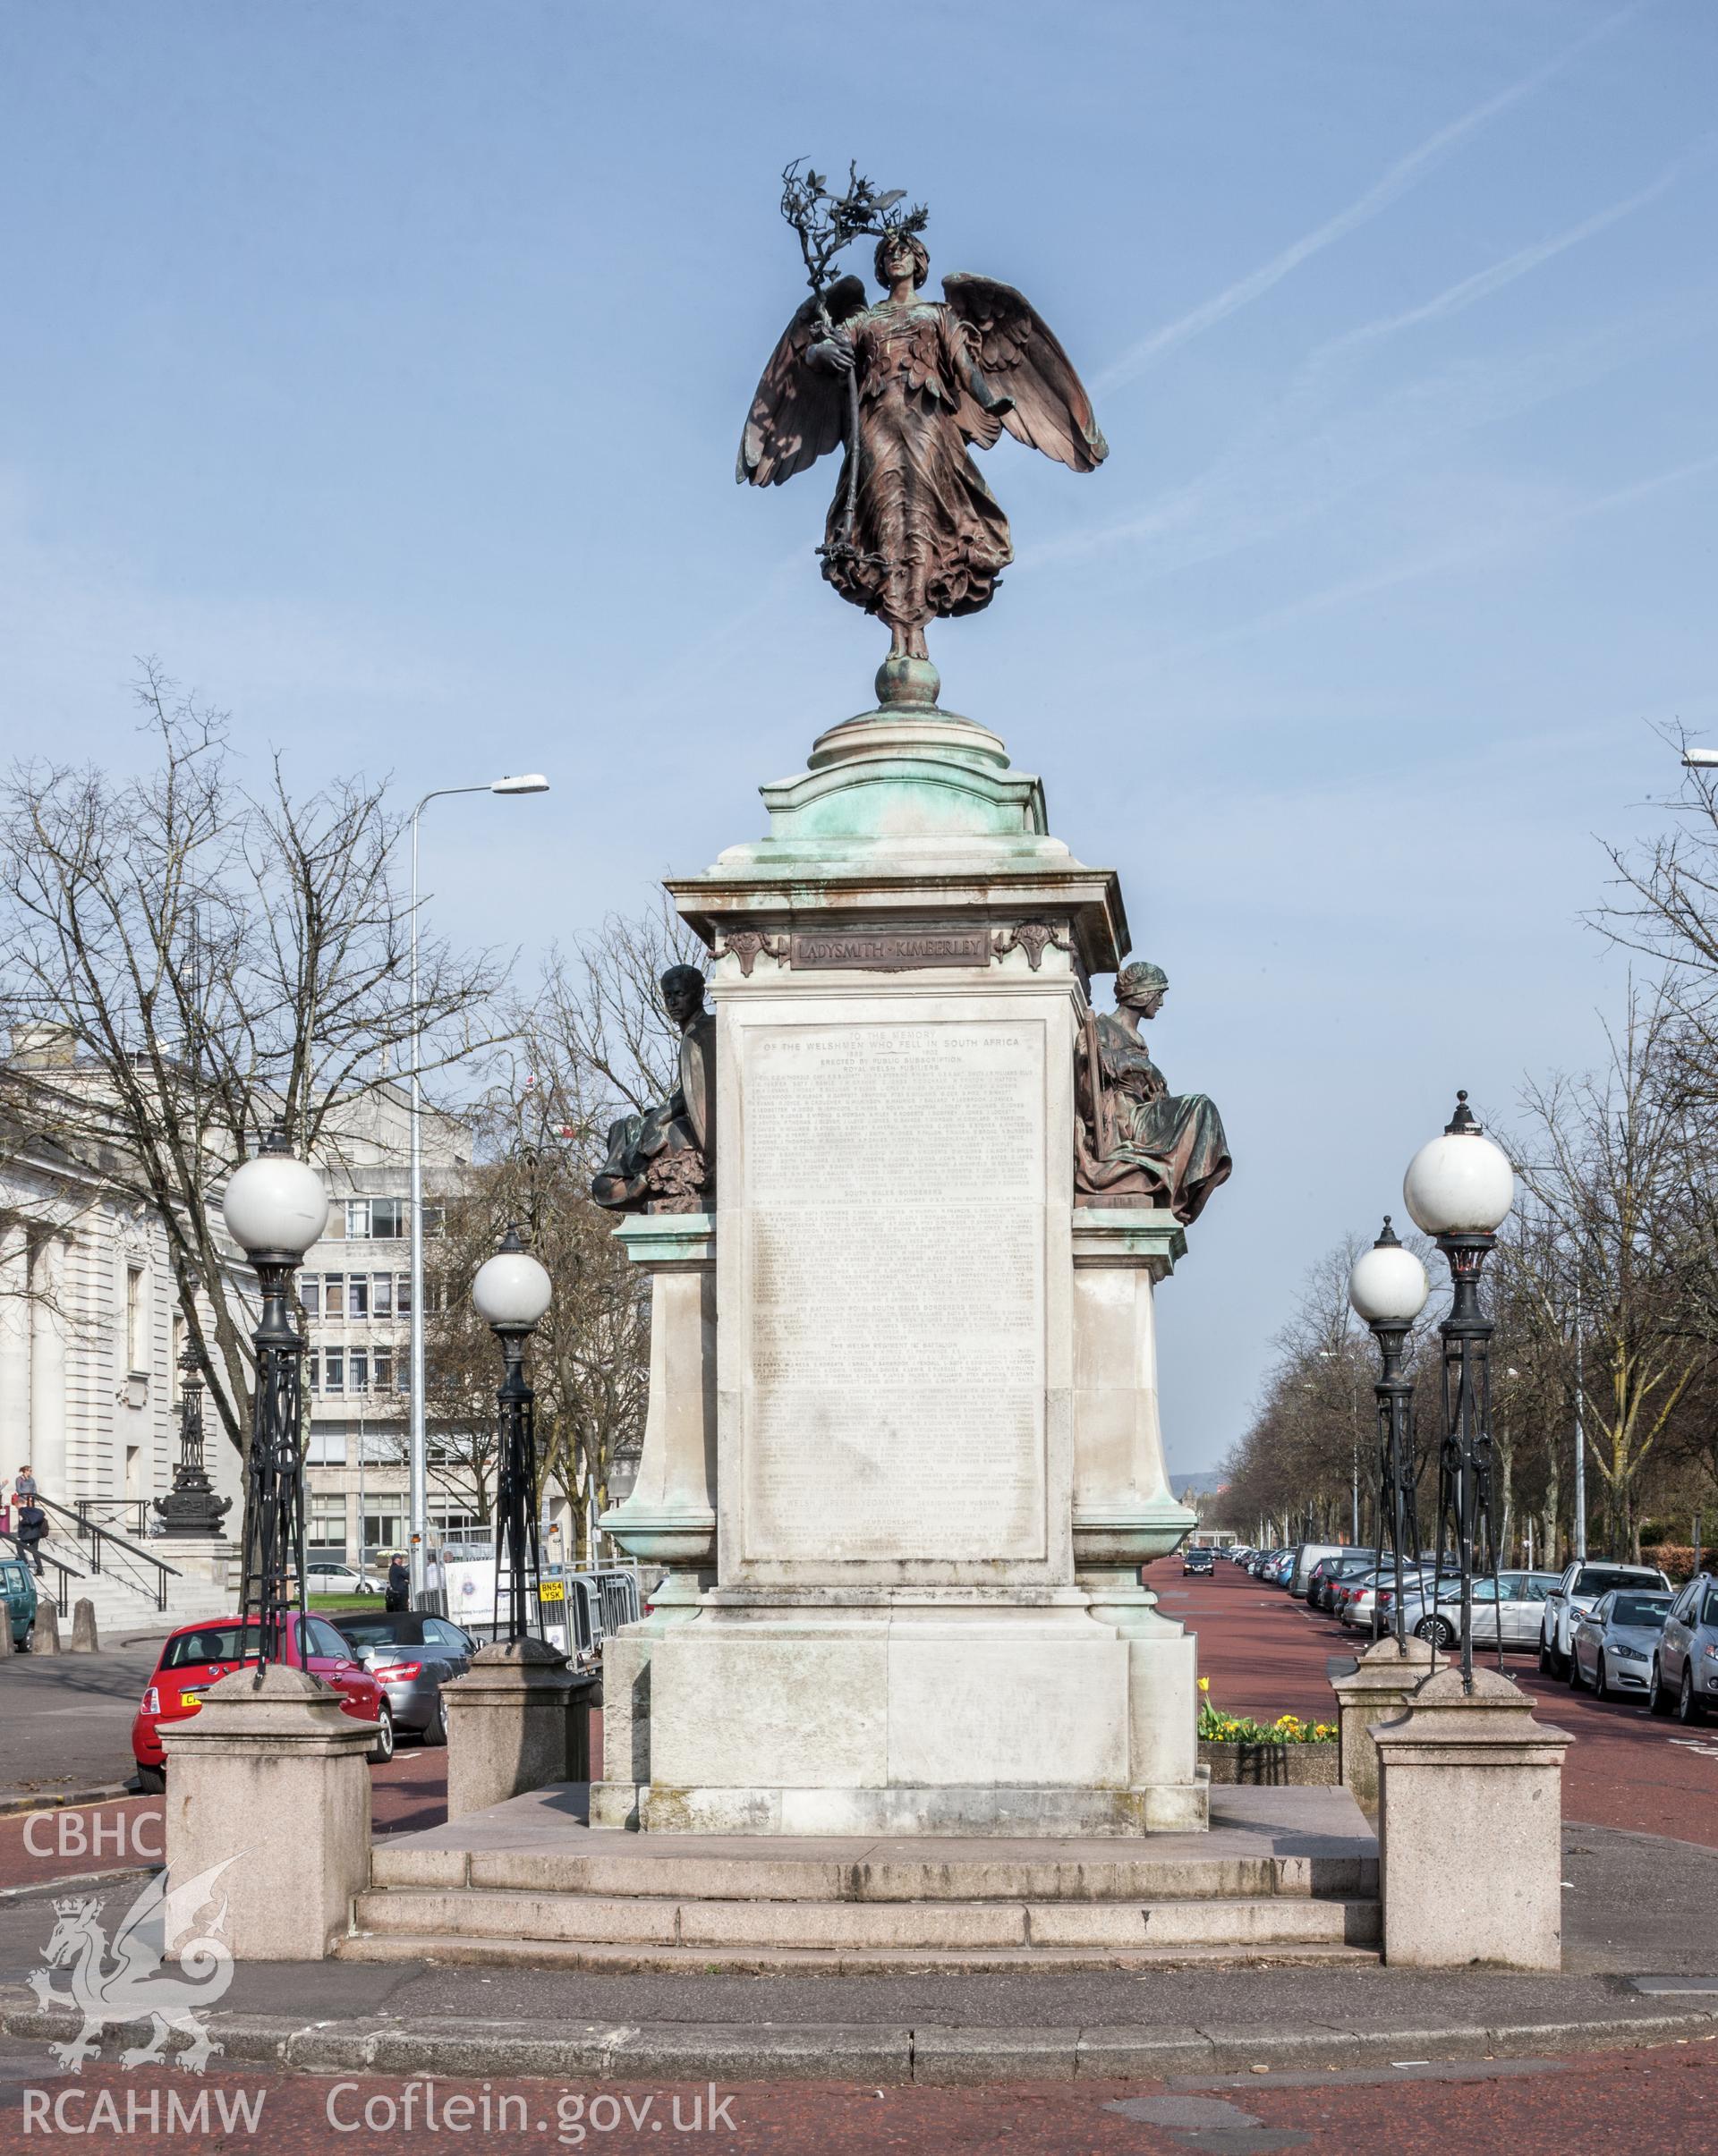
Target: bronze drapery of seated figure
<point>663,1161</point>
<point>1135,1142</point>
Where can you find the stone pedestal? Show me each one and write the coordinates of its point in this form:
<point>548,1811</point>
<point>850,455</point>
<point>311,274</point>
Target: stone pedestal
<point>901,1638</point>
<point>1375,1690</point>
<point>1469,1827</point>
<point>669,1517</point>
<point>272,1774</point>
<point>509,1724</point>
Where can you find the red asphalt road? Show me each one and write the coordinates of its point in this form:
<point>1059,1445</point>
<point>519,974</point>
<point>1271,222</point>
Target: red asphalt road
<point>1665,2099</point>
<point>1265,1654</point>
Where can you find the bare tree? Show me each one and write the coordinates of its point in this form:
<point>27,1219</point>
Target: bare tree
<point>217,962</point>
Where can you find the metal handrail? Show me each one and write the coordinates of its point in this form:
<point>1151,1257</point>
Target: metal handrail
<point>105,1544</point>
<point>101,1510</point>
<point>62,1598</point>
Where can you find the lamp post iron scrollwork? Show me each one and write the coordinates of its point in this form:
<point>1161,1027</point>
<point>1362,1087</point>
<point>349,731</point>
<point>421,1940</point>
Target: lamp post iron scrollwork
<point>511,1291</point>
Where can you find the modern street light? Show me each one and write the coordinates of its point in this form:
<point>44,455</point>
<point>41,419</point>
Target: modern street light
<point>511,1293</point>
<point>1459,1189</point>
<point>275,1206</point>
<point>418,1448</point>
<point>1386,1289</point>
<point>1700,759</point>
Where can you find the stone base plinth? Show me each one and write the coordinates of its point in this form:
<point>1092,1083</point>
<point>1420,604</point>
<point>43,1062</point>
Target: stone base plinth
<point>960,1715</point>
<point>1469,1827</point>
<point>269,1788</point>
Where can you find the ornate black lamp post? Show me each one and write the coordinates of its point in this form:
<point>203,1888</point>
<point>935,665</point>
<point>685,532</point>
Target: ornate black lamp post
<point>1459,1188</point>
<point>511,1291</point>
<point>275,1206</point>
<point>1388,1288</point>
<point>191,1507</point>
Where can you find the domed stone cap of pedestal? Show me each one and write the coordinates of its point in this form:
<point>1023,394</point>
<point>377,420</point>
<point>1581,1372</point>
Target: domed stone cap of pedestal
<point>1445,1712</point>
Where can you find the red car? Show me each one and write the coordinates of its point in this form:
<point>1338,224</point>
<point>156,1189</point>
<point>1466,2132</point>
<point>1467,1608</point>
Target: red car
<point>196,1655</point>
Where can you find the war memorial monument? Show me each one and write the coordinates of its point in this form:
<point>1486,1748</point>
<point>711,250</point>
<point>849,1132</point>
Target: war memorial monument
<point>907,1213</point>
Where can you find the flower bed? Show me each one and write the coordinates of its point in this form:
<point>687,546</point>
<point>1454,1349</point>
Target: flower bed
<point>1288,1751</point>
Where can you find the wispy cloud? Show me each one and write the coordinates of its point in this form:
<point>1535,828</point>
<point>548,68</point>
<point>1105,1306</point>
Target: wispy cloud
<point>1404,175</point>
<point>1475,541</point>
<point>1279,478</point>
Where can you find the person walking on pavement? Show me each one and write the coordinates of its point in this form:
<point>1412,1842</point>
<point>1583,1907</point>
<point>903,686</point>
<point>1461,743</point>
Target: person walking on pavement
<point>399,1583</point>
<point>32,1525</point>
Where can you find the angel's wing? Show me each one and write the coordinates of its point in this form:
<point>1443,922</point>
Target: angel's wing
<point>163,1913</point>
<point>799,411</point>
<point>1021,358</point>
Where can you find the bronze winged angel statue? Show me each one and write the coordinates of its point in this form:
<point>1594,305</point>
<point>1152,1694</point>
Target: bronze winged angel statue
<point>908,385</point>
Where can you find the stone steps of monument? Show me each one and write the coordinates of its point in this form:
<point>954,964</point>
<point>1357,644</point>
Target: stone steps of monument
<point>753,1871</point>
<point>730,1926</point>
<point>475,1950</point>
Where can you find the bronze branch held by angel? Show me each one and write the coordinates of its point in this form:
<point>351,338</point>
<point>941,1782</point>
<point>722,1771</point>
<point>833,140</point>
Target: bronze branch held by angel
<point>914,533</point>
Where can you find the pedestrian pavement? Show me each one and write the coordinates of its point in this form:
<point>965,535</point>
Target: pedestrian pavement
<point>1636,1906</point>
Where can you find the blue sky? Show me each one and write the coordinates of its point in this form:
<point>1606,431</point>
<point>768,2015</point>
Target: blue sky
<point>381,367</point>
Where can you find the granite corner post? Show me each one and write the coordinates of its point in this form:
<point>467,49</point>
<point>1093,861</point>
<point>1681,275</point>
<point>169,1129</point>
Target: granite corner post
<point>269,1788</point>
<point>669,1518</point>
<point>510,1724</point>
<point>1377,1689</point>
<point>1469,1827</point>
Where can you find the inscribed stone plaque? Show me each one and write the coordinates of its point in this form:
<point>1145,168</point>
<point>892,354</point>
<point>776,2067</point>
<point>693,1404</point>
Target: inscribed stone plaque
<point>895,1175</point>
<point>889,950</point>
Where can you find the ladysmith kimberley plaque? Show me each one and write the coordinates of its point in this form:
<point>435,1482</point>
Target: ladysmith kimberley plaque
<point>894,1180</point>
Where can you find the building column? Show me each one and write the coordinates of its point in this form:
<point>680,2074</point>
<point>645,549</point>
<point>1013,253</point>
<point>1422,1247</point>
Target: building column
<point>48,1419</point>
<point>15,1351</point>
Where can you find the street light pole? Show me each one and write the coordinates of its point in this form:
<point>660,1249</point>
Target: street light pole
<point>1388,1288</point>
<point>275,1208</point>
<point>511,1293</point>
<point>1459,1189</point>
<point>418,1447</point>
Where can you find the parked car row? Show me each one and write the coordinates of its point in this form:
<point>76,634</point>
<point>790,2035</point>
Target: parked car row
<point>388,1665</point>
<point>1621,1629</point>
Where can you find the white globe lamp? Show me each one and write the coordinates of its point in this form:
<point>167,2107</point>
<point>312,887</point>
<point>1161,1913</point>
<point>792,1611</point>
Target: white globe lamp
<point>1388,1284</point>
<point>1460,1183</point>
<point>275,1205</point>
<point>512,1291</point>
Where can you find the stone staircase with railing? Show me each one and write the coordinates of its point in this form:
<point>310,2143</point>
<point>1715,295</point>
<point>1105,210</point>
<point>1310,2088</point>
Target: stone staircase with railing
<point>133,1589</point>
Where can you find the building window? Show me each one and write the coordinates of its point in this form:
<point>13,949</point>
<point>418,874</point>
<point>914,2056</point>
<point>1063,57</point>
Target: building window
<point>326,1448</point>
<point>137,1351</point>
<point>432,1219</point>
<point>402,1294</point>
<point>382,1368</point>
<point>314,1370</point>
<point>310,1294</point>
<point>381,1296</point>
<point>334,1370</point>
<point>357,1370</point>
<point>389,1219</point>
<point>384,1533</point>
<point>457,1523</point>
<point>326,1535</point>
<point>334,1295</point>
<point>358,1295</point>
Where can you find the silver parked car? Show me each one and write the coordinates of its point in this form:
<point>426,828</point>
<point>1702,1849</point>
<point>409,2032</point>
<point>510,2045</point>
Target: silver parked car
<point>1575,1593</point>
<point>1614,1643</point>
<point>1515,1600</point>
<point>411,1654</point>
<point>1685,1667</point>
